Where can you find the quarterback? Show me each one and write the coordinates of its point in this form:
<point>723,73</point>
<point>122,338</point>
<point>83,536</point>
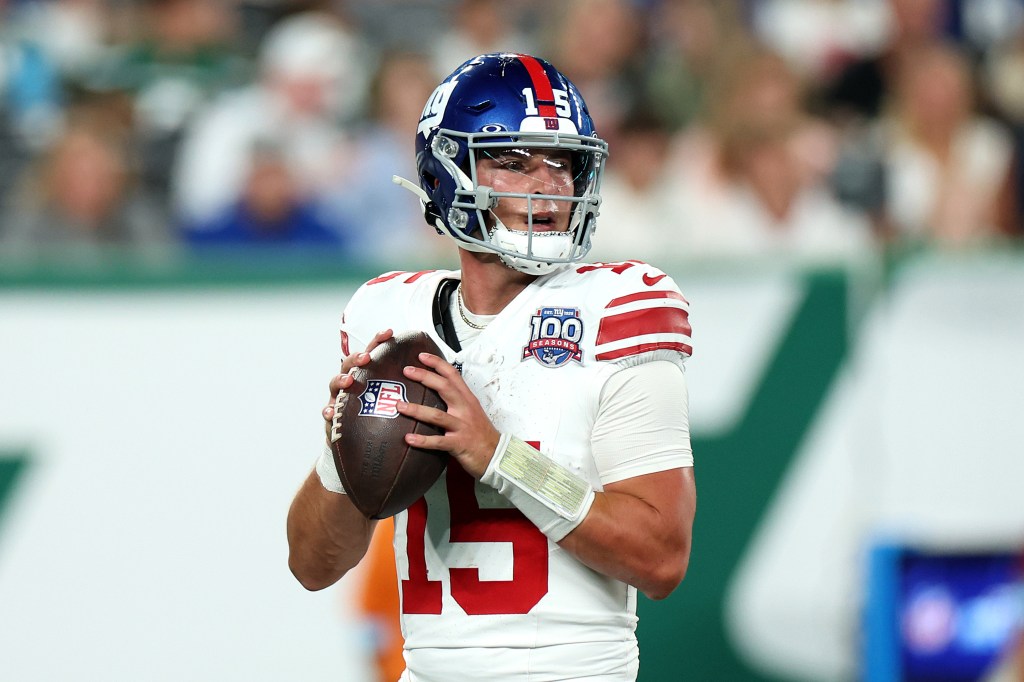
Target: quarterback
<point>571,481</point>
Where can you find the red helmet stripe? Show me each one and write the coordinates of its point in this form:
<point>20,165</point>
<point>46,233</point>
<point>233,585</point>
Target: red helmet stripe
<point>541,85</point>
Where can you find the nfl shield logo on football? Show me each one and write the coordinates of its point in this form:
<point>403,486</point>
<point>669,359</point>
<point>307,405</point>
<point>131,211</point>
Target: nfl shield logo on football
<point>381,398</point>
<point>555,335</point>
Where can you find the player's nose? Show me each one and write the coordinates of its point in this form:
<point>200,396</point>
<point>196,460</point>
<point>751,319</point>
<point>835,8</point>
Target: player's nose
<point>545,180</point>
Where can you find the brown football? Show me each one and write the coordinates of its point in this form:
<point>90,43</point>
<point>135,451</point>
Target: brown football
<point>381,473</point>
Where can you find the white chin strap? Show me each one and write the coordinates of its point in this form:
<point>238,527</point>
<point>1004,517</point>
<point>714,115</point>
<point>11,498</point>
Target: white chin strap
<point>546,246</point>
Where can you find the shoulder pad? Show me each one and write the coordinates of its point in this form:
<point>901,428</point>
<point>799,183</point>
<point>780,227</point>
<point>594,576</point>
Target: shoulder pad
<point>642,312</point>
<point>375,304</point>
<point>399,276</point>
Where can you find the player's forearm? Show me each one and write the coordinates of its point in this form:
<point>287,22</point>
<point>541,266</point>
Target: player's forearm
<point>631,539</point>
<point>327,536</point>
<point>636,530</point>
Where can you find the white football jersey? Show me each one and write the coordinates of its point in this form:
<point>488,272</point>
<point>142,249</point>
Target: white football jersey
<point>486,596</point>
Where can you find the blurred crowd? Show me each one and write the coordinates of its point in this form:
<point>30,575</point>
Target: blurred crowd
<point>818,129</point>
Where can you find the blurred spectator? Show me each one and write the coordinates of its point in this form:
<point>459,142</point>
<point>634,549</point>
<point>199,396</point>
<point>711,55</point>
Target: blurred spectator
<point>640,208</point>
<point>949,171</point>
<point>386,222</point>
<point>310,85</point>
<point>183,53</point>
<point>411,25</point>
<point>913,155</point>
<point>81,197</point>
<point>986,24</point>
<point>817,37</point>
<point>480,26</point>
<point>71,33</point>
<point>30,109</point>
<point>859,90</point>
<point>1003,81</point>
<point>755,177</point>
<point>30,82</point>
<point>41,43</point>
<point>597,44</point>
<point>688,37</point>
<point>270,211</point>
<point>1003,78</point>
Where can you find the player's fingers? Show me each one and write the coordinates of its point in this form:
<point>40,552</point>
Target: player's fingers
<point>429,415</point>
<point>335,389</point>
<point>341,382</point>
<point>328,411</point>
<point>418,440</point>
<point>351,360</point>
<point>430,379</point>
<point>439,365</point>
<point>379,338</point>
<point>362,359</point>
<point>355,360</point>
<point>328,415</point>
<point>441,377</point>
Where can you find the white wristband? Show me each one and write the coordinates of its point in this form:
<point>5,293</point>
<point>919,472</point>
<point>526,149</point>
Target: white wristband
<point>547,493</point>
<point>328,472</point>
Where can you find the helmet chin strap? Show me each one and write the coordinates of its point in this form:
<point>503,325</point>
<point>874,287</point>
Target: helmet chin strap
<point>412,187</point>
<point>544,245</point>
<point>438,223</point>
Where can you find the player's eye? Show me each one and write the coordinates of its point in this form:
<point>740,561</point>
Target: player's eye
<point>511,162</point>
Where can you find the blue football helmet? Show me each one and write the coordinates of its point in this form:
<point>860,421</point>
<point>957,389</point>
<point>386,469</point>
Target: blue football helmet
<point>498,102</point>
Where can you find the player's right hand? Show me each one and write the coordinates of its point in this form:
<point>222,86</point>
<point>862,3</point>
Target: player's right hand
<point>343,381</point>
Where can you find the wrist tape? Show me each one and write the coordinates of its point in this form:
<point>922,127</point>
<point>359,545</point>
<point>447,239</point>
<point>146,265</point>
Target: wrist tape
<point>555,499</point>
<point>328,472</point>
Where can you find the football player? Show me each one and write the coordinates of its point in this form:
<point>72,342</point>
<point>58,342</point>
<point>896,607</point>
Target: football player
<point>571,485</point>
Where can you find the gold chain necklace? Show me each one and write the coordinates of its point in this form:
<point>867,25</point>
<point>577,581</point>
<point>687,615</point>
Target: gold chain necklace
<point>462,312</point>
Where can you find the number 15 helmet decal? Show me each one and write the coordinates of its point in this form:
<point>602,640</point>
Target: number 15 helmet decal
<point>501,102</point>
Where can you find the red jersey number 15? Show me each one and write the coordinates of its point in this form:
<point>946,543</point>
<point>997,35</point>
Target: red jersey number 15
<point>471,523</point>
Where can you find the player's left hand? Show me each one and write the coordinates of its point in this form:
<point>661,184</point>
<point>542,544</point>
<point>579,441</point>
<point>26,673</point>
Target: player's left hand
<point>469,437</point>
<point>343,381</point>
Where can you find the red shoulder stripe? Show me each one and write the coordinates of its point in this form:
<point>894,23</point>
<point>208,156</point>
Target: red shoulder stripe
<point>642,322</point>
<point>413,276</point>
<point>417,275</point>
<point>387,277</point>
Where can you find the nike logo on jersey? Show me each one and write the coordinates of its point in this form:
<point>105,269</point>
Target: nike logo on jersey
<point>651,281</point>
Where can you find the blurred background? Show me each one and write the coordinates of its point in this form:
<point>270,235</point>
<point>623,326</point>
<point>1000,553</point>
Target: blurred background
<point>190,190</point>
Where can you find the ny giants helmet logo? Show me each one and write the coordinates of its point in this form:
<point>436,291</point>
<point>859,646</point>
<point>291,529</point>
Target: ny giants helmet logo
<point>434,110</point>
<point>555,336</point>
<point>381,398</point>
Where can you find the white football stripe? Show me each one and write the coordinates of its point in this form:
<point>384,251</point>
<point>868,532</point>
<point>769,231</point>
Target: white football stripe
<point>642,338</point>
<point>652,303</point>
